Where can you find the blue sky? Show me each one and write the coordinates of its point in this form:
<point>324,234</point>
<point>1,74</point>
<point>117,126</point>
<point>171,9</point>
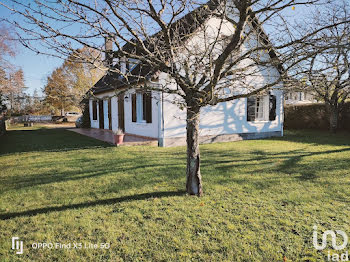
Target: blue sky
<point>37,67</point>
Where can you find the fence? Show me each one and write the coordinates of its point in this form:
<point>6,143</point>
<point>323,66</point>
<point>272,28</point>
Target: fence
<point>29,118</point>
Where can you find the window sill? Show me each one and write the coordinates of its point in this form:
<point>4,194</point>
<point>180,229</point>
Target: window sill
<point>261,121</point>
<point>141,123</point>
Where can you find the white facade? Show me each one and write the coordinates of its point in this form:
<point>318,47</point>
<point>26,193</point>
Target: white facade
<point>169,122</point>
<point>141,129</point>
<point>222,120</point>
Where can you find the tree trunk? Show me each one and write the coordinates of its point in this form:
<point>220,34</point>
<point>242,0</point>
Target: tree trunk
<point>333,120</point>
<point>194,179</point>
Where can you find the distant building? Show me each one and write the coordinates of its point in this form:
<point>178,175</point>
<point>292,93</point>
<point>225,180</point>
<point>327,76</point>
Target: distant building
<point>299,97</point>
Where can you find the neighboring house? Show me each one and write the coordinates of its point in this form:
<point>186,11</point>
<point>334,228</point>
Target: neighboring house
<point>152,114</point>
<point>299,98</point>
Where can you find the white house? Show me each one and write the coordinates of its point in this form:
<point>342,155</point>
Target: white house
<point>152,114</point>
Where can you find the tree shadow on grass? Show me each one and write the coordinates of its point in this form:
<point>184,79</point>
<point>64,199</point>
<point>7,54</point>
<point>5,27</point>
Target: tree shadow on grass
<point>281,164</point>
<point>39,140</point>
<point>133,171</point>
<point>315,137</point>
<point>109,201</point>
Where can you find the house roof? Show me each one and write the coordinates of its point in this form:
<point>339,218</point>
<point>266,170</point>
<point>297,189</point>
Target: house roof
<point>112,80</point>
<point>184,27</point>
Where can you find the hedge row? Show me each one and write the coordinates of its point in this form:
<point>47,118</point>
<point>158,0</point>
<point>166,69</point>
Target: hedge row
<point>313,116</point>
<point>2,125</point>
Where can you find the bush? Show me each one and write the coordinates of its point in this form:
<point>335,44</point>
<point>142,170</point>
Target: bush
<point>86,114</point>
<point>2,125</point>
<point>313,116</point>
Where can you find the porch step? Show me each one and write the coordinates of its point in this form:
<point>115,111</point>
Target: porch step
<point>141,143</point>
<point>107,136</point>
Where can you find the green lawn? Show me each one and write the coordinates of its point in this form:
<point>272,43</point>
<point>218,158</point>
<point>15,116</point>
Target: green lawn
<point>261,200</point>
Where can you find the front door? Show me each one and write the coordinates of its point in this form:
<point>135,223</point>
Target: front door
<point>101,114</point>
<point>121,112</point>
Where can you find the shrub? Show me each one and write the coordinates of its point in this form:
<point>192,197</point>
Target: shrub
<point>2,125</point>
<point>313,116</point>
<point>86,114</point>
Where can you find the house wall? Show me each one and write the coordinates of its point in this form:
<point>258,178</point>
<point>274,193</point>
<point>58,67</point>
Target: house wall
<point>95,123</point>
<point>223,119</point>
<point>141,129</point>
<point>228,120</point>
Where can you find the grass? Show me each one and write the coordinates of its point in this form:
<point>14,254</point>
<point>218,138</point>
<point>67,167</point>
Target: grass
<point>261,200</point>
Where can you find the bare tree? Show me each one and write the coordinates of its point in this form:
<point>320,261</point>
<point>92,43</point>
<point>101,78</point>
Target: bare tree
<point>6,46</point>
<point>68,83</point>
<point>232,51</point>
<point>6,50</point>
<point>326,73</point>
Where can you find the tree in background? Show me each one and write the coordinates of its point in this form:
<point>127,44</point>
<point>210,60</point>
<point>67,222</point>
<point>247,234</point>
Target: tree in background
<point>16,91</point>
<point>213,70</point>
<point>12,90</point>
<point>58,92</point>
<point>6,47</point>
<point>68,84</point>
<point>326,73</point>
<point>3,80</point>
<point>11,80</point>
<point>5,50</point>
<point>81,74</point>
<point>34,105</point>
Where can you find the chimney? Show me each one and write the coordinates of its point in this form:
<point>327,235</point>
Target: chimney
<point>108,51</point>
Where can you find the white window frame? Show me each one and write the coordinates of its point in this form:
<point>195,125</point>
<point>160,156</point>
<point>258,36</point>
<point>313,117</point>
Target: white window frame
<point>261,109</point>
<point>260,114</point>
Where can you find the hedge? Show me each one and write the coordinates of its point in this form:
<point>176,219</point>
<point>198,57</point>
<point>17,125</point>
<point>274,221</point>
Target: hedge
<point>86,114</point>
<point>313,116</point>
<point>2,125</point>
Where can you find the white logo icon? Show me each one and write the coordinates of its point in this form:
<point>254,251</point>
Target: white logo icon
<point>17,245</point>
<point>334,239</point>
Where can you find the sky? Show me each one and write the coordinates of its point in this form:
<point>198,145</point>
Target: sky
<point>37,67</point>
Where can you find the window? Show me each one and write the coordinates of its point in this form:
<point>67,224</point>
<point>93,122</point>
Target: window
<point>141,105</point>
<point>94,110</point>
<point>259,110</point>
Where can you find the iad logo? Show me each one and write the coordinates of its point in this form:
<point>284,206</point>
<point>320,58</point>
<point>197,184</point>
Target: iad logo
<point>333,237</point>
<point>17,245</point>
